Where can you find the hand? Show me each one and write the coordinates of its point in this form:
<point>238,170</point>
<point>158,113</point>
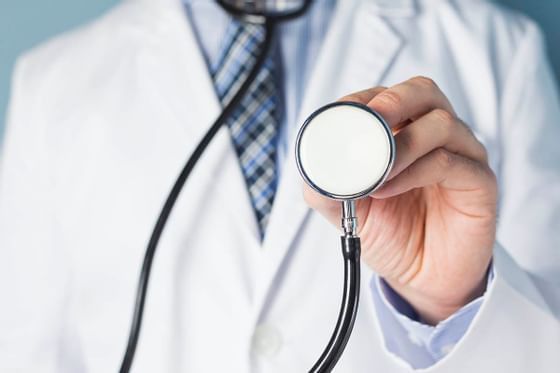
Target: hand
<point>429,230</point>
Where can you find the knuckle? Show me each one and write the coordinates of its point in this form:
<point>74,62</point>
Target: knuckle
<point>377,89</point>
<point>444,117</point>
<point>446,122</point>
<point>425,81</point>
<point>444,158</point>
<point>353,97</point>
<point>390,98</point>
<point>362,96</point>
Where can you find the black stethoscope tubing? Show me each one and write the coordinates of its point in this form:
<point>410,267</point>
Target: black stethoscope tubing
<point>142,288</point>
<point>350,244</point>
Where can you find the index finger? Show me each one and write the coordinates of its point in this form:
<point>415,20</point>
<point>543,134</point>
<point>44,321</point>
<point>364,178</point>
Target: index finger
<point>409,100</point>
<point>364,96</point>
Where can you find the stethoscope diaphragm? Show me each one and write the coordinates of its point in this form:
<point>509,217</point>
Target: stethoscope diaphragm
<point>345,150</point>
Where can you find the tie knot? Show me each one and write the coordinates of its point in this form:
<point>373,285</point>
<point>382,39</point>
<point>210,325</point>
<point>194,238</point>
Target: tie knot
<point>241,42</point>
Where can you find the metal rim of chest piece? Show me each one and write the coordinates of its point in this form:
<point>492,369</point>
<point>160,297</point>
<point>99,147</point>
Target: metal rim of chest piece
<point>363,192</point>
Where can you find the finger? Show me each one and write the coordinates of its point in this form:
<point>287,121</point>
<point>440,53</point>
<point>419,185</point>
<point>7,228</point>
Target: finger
<point>364,96</point>
<point>441,167</point>
<point>330,208</point>
<point>437,129</point>
<point>409,100</point>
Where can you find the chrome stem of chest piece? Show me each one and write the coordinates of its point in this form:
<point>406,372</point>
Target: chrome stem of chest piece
<point>349,219</point>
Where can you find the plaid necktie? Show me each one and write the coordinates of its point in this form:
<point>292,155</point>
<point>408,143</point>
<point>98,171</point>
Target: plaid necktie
<point>254,123</point>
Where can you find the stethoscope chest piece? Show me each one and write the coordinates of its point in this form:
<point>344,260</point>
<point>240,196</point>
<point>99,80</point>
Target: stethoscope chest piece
<point>345,150</point>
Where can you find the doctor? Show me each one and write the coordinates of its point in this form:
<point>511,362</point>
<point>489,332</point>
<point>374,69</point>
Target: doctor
<point>103,118</point>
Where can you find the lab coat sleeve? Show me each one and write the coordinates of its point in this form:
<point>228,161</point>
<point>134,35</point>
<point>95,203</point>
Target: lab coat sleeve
<point>418,344</point>
<point>529,215</point>
<point>33,275</point>
<point>515,328</point>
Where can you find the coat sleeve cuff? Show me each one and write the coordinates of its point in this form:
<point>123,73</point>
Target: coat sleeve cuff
<point>419,344</point>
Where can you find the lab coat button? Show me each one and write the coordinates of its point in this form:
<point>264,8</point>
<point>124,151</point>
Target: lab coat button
<point>267,341</point>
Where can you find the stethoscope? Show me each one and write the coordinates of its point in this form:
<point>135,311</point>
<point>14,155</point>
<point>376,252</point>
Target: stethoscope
<point>344,151</point>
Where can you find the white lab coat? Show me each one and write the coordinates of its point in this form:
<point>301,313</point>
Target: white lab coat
<point>102,119</point>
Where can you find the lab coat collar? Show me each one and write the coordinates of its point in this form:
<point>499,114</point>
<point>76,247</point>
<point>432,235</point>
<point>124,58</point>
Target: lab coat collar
<point>383,8</point>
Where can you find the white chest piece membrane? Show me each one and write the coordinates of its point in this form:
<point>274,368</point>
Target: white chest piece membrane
<point>344,151</point>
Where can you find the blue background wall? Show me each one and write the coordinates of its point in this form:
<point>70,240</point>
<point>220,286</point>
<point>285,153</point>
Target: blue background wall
<point>24,23</point>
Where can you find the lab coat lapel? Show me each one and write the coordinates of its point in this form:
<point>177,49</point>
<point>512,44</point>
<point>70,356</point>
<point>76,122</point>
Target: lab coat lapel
<point>183,86</point>
<point>341,68</point>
